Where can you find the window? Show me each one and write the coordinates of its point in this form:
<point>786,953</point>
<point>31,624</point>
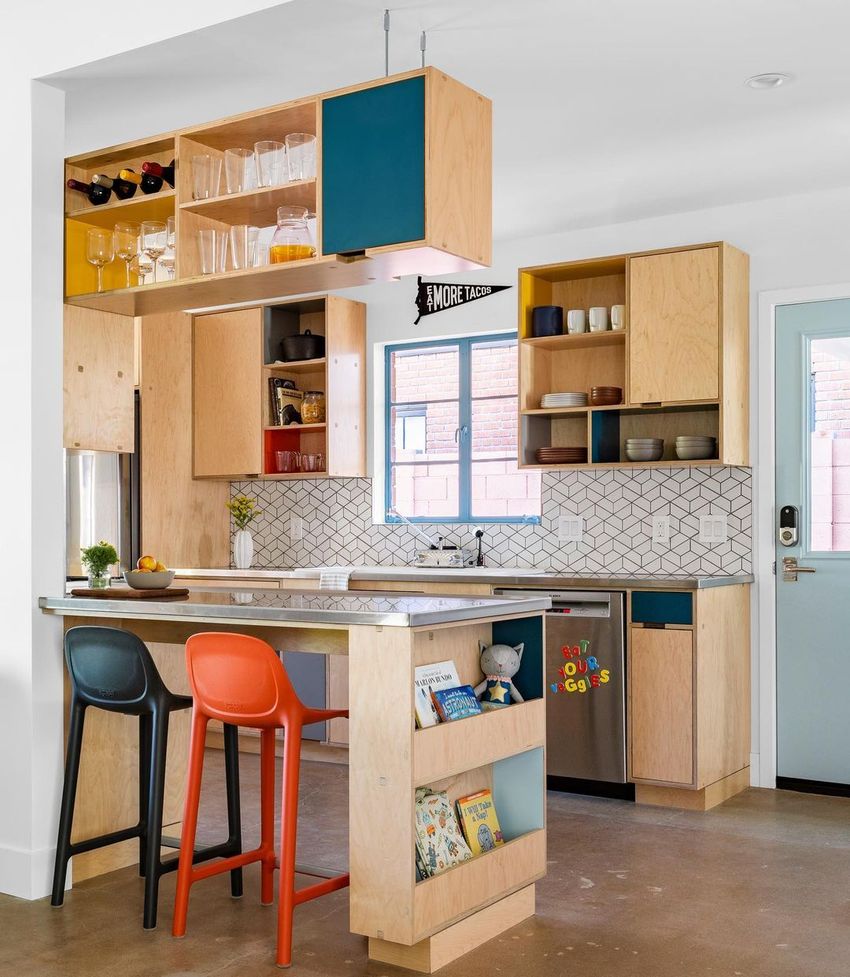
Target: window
<point>451,433</point>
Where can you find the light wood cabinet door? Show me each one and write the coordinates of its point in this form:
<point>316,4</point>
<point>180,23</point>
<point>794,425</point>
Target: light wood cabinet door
<point>227,406</point>
<point>99,350</point>
<point>674,326</point>
<point>661,700</point>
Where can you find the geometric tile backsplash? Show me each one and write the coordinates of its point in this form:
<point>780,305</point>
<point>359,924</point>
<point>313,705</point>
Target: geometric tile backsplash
<point>616,506</point>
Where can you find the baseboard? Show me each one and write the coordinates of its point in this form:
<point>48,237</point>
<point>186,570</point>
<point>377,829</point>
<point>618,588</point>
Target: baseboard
<point>813,786</point>
<point>27,874</point>
<point>591,788</point>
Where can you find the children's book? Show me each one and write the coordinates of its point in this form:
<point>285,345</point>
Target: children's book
<point>439,840</point>
<point>441,675</point>
<point>477,815</point>
<point>456,703</point>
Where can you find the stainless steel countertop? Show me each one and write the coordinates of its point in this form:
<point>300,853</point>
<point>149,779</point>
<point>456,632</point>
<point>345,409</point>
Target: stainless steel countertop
<point>292,607</point>
<point>496,576</point>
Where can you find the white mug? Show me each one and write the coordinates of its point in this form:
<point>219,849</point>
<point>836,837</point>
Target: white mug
<point>575,321</point>
<point>598,318</point>
<point>618,317</point>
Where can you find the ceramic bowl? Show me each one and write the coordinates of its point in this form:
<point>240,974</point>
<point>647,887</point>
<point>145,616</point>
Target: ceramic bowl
<point>695,452</point>
<point>155,580</point>
<point>653,453</point>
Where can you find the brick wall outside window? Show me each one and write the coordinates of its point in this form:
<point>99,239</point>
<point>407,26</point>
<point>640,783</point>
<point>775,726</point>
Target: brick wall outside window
<point>830,502</point>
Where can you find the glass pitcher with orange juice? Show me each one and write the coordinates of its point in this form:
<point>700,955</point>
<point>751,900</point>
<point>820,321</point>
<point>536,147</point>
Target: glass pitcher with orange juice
<point>291,241</point>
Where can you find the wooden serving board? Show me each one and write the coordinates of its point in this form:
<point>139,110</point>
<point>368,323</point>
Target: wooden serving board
<point>122,593</point>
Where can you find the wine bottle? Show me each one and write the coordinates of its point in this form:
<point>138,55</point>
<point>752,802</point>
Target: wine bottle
<point>155,169</point>
<point>123,189</point>
<point>97,194</point>
<point>147,181</point>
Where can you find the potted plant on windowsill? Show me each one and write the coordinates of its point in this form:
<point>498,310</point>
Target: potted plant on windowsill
<point>244,511</point>
<point>97,560</point>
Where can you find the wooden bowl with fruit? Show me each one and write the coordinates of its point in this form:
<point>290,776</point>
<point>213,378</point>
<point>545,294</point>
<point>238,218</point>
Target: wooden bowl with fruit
<point>149,574</point>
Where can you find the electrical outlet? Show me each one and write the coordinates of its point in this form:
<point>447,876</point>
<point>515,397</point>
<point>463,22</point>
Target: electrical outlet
<point>296,529</point>
<point>570,529</point>
<point>713,529</point>
<point>661,530</point>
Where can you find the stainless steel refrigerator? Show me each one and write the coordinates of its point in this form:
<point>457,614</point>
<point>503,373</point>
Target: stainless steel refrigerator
<point>102,501</point>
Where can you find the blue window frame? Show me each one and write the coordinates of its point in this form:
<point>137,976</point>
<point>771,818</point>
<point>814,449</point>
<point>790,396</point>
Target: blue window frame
<point>452,421</point>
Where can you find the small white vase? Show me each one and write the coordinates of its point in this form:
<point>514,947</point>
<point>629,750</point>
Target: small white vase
<point>243,549</point>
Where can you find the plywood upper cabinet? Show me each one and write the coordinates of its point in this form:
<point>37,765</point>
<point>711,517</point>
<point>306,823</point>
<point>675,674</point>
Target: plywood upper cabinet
<point>227,393</point>
<point>674,326</point>
<point>98,380</point>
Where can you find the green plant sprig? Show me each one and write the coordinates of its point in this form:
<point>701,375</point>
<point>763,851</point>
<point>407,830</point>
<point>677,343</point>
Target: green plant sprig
<point>243,510</point>
<point>99,558</point>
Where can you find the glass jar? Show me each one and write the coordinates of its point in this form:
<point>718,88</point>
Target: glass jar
<point>291,240</point>
<point>313,407</point>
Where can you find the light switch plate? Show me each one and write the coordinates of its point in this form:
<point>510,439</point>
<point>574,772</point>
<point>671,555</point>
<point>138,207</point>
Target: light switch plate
<point>570,528</point>
<point>296,529</point>
<point>713,529</point>
<point>661,530</point>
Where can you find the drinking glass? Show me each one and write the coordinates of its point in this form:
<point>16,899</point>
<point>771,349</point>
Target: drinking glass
<point>301,155</point>
<point>125,239</point>
<point>169,258</point>
<point>99,251</point>
<point>212,248</point>
<point>238,164</point>
<point>154,234</point>
<point>206,176</point>
<point>243,245</point>
<point>270,158</point>
<point>141,266</point>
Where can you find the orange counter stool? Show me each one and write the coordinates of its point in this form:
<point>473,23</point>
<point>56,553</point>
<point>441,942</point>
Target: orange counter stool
<point>241,681</point>
<point>112,669</point>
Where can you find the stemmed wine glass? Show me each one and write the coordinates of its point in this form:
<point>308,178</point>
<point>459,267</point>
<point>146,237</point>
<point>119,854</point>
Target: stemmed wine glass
<point>126,242</point>
<point>153,241</point>
<point>169,258</point>
<point>99,251</point>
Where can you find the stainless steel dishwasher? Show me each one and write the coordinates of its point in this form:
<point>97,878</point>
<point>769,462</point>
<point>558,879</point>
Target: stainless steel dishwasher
<point>585,687</point>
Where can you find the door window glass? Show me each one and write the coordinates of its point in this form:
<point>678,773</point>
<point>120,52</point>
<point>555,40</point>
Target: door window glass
<point>829,448</point>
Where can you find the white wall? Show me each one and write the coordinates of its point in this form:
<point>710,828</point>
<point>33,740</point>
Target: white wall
<point>37,42</point>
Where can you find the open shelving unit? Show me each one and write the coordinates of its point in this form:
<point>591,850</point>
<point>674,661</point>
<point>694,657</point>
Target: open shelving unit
<point>579,362</point>
<point>446,230</point>
<point>503,750</point>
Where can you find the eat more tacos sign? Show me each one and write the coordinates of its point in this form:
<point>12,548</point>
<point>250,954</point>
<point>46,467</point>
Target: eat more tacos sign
<point>434,297</point>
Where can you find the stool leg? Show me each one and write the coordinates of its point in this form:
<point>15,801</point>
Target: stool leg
<point>234,813</point>
<point>144,786</point>
<point>156,796</point>
<point>197,744</point>
<point>267,778</point>
<point>288,834</point>
<point>69,794</point>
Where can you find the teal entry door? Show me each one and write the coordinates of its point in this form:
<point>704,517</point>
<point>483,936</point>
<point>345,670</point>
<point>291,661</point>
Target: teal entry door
<point>813,486</point>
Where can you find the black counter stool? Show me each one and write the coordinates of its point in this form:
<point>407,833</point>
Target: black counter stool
<point>112,669</point>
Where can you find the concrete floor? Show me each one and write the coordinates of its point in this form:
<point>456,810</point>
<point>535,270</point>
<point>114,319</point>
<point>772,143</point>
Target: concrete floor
<point>759,886</point>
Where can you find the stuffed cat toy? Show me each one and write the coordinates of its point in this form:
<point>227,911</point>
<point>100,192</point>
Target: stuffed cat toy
<point>499,663</point>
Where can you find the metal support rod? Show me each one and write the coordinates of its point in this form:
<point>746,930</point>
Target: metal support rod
<point>422,45</point>
<point>387,43</point>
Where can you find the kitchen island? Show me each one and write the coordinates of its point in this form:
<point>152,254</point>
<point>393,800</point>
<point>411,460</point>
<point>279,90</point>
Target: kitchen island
<point>420,925</point>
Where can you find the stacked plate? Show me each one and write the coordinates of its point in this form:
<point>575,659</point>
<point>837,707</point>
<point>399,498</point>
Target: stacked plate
<point>644,449</point>
<point>574,398</point>
<point>561,456</point>
<point>695,447</point>
<point>606,396</point>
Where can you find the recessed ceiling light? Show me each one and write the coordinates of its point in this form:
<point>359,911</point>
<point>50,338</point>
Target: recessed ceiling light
<point>770,79</point>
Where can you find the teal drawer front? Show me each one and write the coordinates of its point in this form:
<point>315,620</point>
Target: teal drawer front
<point>650,607</point>
<point>373,167</point>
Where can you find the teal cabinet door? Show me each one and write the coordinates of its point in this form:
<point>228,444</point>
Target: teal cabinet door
<point>373,167</point>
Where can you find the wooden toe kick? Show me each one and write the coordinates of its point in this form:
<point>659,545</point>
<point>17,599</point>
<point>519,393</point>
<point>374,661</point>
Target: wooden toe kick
<point>694,800</point>
<point>442,948</point>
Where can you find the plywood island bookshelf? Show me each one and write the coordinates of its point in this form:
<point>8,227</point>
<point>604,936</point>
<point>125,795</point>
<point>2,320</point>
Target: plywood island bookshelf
<point>681,359</point>
<point>424,925</point>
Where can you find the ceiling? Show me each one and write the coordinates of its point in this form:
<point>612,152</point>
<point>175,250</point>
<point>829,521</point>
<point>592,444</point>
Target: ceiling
<point>604,110</point>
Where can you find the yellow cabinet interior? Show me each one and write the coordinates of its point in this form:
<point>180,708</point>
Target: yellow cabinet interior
<point>682,359</point>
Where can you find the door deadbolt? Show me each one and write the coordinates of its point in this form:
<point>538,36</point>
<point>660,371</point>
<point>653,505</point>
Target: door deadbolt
<point>789,517</point>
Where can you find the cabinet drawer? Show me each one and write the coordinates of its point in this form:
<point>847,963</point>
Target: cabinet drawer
<point>651,607</point>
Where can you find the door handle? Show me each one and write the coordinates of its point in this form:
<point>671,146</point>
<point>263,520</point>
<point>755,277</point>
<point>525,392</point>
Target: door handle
<point>790,569</point>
